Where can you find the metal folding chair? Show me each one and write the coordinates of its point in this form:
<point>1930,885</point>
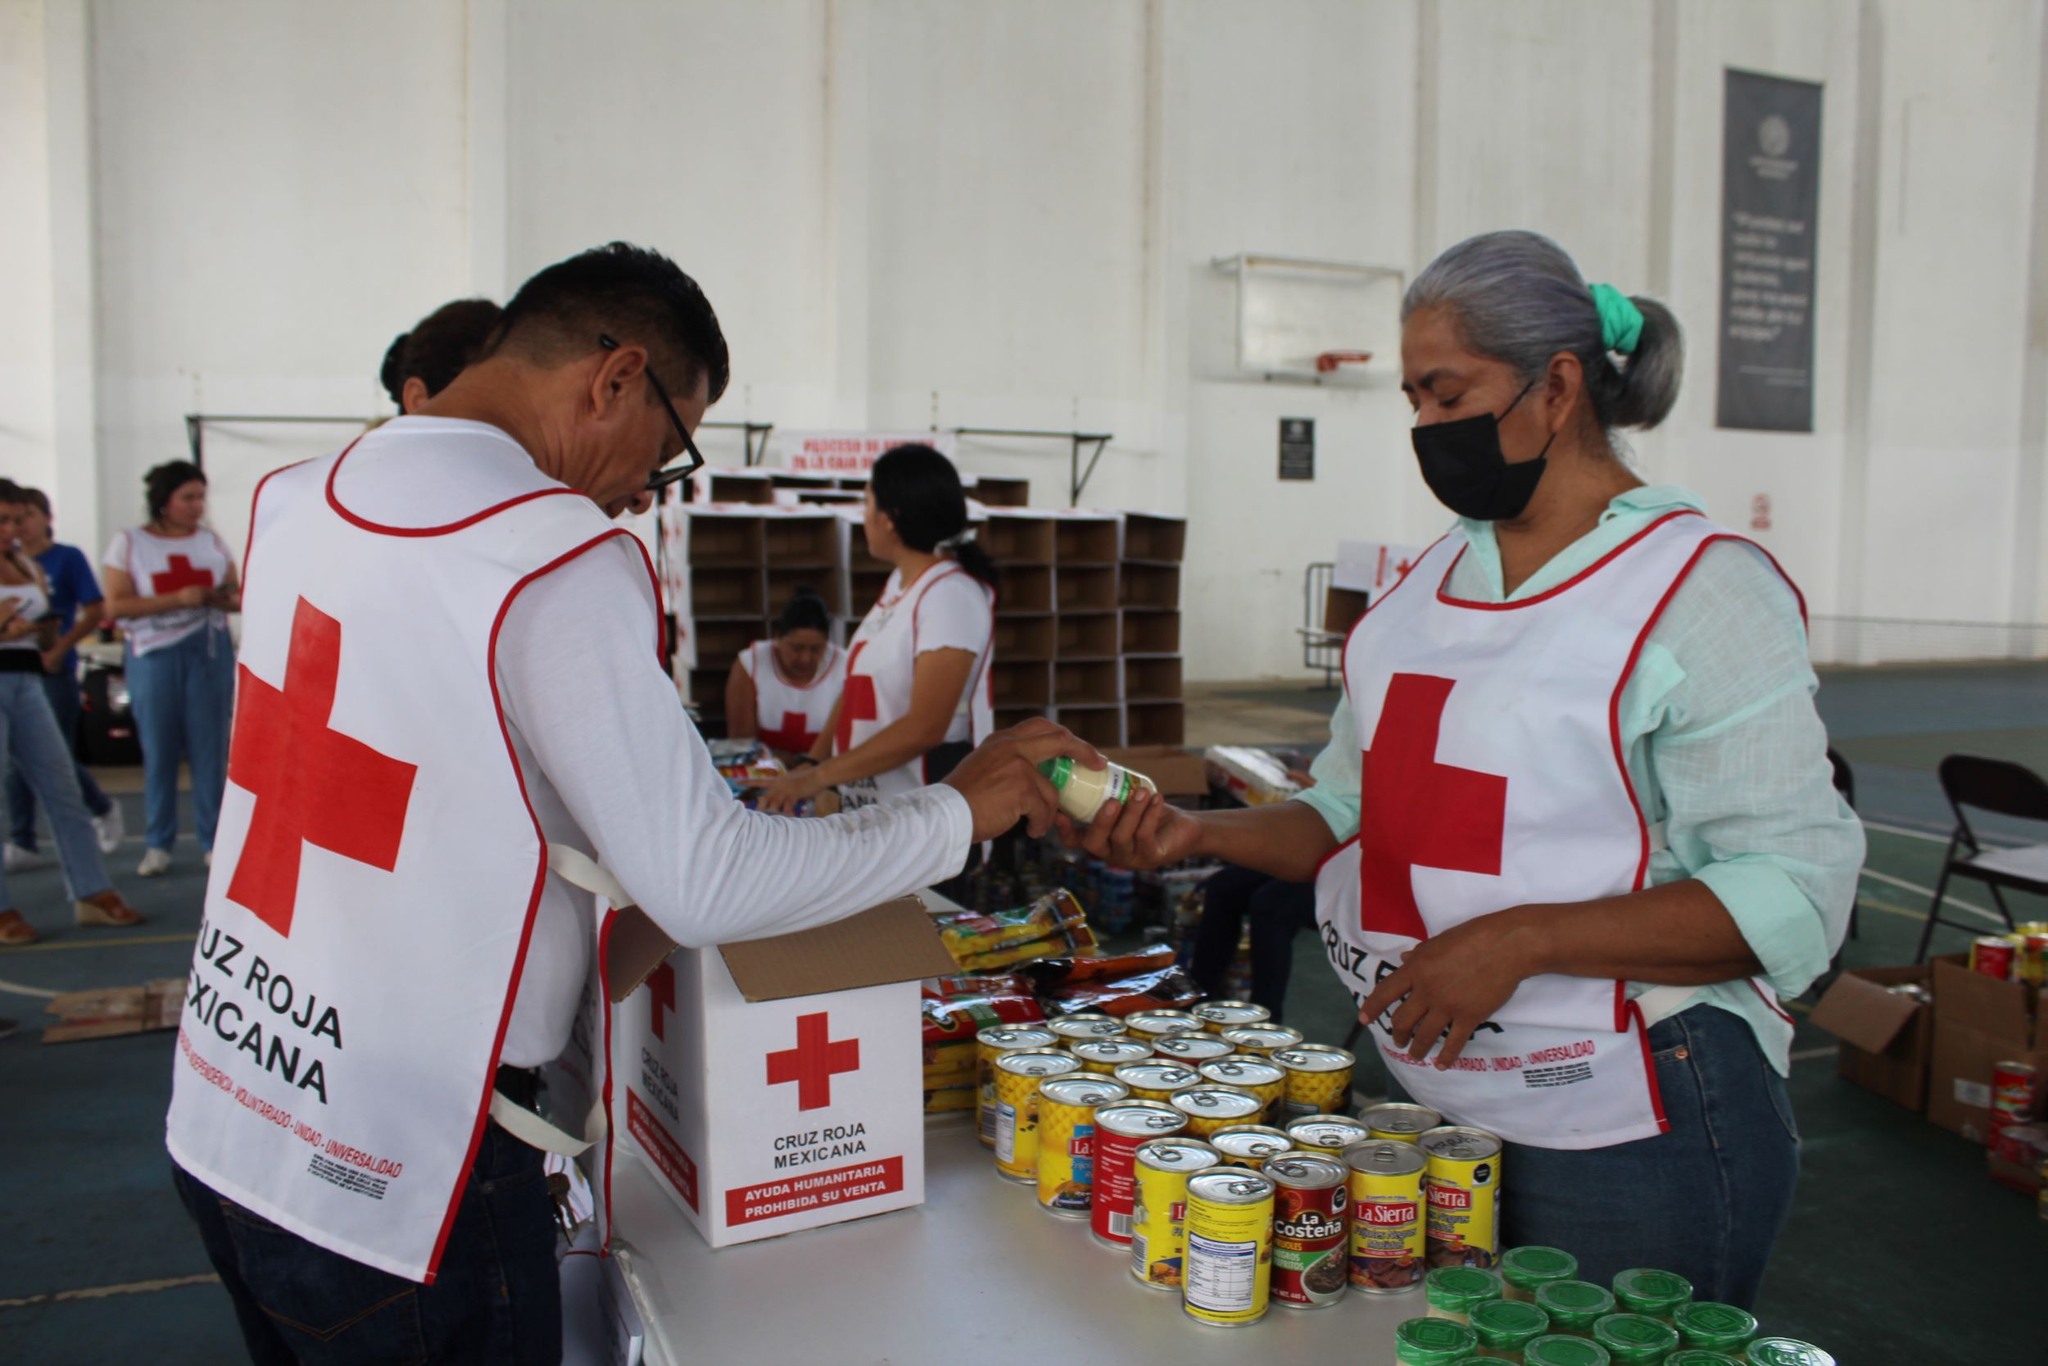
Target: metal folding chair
<point>1845,783</point>
<point>2004,789</point>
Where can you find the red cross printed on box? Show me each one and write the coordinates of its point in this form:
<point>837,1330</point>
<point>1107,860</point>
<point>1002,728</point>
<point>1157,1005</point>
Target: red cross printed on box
<point>857,701</point>
<point>1418,813</point>
<point>181,574</point>
<point>815,1060</point>
<point>661,997</point>
<point>312,785</point>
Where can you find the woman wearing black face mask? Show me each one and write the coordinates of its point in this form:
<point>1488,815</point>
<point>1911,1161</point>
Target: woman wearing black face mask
<point>1575,833</point>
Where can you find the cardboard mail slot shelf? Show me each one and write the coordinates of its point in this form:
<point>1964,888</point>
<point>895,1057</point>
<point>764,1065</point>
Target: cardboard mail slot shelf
<point>1156,723</point>
<point>1161,540</point>
<point>1020,683</point>
<point>1083,540</point>
<point>801,540</point>
<point>1102,727</point>
<point>1026,592</point>
<point>727,592</point>
<point>777,1085</point>
<point>1024,638</point>
<point>783,583</point>
<point>992,491</point>
<point>1151,633</point>
<point>1152,680</point>
<point>725,539</point>
<point>1017,539</point>
<point>1152,585</point>
<point>1089,636</point>
<point>1088,589</point>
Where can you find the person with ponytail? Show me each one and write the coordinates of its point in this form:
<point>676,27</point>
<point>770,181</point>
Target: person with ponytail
<point>916,697</point>
<point>783,689</point>
<point>421,363</point>
<point>1575,835</point>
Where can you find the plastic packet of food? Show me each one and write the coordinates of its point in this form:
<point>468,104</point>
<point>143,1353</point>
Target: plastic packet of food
<point>1167,989</point>
<point>1049,974</point>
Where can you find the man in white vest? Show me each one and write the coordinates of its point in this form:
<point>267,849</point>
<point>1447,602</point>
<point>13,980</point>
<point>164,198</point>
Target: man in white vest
<point>450,661</point>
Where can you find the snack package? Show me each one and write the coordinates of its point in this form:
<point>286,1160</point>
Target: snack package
<point>941,1100</point>
<point>1047,974</point>
<point>950,1064</point>
<point>969,934</point>
<point>1072,939</point>
<point>1166,989</point>
<point>1252,776</point>
<point>965,1016</point>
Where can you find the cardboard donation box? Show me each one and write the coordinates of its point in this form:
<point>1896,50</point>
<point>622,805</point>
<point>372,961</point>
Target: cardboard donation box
<point>1979,1022</point>
<point>778,1084</point>
<point>1175,771</point>
<point>1886,1035</point>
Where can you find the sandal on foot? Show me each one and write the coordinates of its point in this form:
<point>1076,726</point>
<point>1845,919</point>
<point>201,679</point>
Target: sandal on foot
<point>15,930</point>
<point>107,909</point>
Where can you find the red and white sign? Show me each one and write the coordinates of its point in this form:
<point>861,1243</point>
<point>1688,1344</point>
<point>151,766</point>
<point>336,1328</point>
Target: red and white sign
<point>848,455</point>
<point>762,1118</point>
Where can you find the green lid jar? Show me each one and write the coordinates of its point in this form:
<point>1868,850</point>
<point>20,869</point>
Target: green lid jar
<point>1554,1350</point>
<point>1505,1327</point>
<point>1453,1290</point>
<point>1655,1293</point>
<point>1433,1342</point>
<point>1525,1268</point>
<point>1787,1352</point>
<point>1574,1306</point>
<point>1692,1356</point>
<point>1713,1327</point>
<point>1635,1339</point>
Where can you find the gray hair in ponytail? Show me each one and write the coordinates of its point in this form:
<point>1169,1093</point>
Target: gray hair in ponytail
<point>1518,298</point>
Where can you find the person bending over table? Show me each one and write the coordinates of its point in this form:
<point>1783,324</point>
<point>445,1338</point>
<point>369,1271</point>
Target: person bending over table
<point>783,689</point>
<point>1574,836</point>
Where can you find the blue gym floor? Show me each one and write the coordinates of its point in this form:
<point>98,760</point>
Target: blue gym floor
<point>1900,1248</point>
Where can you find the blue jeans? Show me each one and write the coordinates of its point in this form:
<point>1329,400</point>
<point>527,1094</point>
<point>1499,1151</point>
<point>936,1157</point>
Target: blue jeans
<point>62,688</point>
<point>1706,1200</point>
<point>183,695</point>
<point>36,752</point>
<point>497,1299</point>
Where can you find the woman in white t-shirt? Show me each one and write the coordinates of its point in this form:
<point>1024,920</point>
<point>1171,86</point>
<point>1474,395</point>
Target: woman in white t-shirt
<point>29,738</point>
<point>171,584</point>
<point>916,697</point>
<point>782,690</point>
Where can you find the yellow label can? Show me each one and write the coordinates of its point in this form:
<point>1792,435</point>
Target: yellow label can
<point>1154,1025</point>
<point>1267,1081</point>
<point>1159,1207</point>
<point>1227,1281</point>
<point>1217,1016</point>
<point>1104,1056</point>
<point>1318,1079</point>
<point>1210,1107</point>
<point>1262,1040</point>
<point>1066,1139</point>
<point>1194,1048</point>
<point>1463,1189</point>
<point>1386,1215</point>
<point>1016,1108</point>
<point>1251,1145</point>
<point>990,1044</point>
<point>1399,1120</point>
<point>1073,1029</point>
<point>1327,1135</point>
<point>1157,1079</point>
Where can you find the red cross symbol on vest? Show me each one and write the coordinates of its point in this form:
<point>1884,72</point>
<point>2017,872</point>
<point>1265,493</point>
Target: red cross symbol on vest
<point>661,997</point>
<point>814,1061</point>
<point>1418,813</point>
<point>791,734</point>
<point>180,575</point>
<point>857,702</point>
<point>312,785</point>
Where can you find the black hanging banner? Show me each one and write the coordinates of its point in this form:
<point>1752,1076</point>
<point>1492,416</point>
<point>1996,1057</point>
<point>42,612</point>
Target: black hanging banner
<point>1297,448</point>
<point>1770,196</point>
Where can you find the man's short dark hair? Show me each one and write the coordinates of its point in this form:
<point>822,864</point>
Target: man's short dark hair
<point>29,497</point>
<point>634,294</point>
<point>440,346</point>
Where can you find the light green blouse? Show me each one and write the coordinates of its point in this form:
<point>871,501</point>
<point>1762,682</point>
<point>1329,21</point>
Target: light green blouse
<point>1724,747</point>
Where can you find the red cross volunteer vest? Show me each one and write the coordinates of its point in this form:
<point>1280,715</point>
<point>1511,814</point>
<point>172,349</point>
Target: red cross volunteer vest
<point>791,716</point>
<point>164,564</point>
<point>1494,777</point>
<point>880,663</point>
<point>377,865</point>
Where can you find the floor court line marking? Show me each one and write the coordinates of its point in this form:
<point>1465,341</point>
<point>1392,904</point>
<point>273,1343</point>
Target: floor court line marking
<point>101,1292</point>
<point>1948,902</point>
<point>1809,1054</point>
<point>19,990</point>
<point>1988,843</point>
<point>112,943</point>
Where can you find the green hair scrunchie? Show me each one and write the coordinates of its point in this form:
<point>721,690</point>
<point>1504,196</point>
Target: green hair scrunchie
<point>1621,322</point>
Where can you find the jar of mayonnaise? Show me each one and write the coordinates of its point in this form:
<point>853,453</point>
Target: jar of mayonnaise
<point>1083,791</point>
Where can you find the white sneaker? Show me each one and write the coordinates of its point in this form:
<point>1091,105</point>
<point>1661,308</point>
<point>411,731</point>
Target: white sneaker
<point>110,828</point>
<point>17,859</point>
<point>155,863</point>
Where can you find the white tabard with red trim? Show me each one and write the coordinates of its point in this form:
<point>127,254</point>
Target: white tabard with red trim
<point>1494,778</point>
<point>881,665</point>
<point>791,716</point>
<point>377,865</point>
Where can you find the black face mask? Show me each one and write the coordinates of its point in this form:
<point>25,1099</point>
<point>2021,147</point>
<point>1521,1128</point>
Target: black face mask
<point>1463,466</point>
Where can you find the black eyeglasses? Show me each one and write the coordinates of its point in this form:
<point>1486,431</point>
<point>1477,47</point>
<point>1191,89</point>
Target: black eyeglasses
<point>661,479</point>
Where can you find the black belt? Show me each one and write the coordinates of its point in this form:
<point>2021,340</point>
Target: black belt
<point>520,1085</point>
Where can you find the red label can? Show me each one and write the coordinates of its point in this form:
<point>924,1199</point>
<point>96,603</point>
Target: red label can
<point>1311,1231</point>
<point>1120,1130</point>
<point>1993,956</point>
<point>2012,1097</point>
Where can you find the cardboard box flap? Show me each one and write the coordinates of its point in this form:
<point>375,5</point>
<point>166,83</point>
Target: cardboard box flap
<point>637,947</point>
<point>1176,771</point>
<point>1862,1012</point>
<point>2005,1009</point>
<point>893,942</point>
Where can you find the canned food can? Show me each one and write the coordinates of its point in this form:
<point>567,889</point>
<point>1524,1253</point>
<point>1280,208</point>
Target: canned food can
<point>1262,1040</point>
<point>1463,1188</point>
<point>1159,1207</point>
<point>1193,1048</point>
<point>1387,1238</point>
<point>1066,1139</point>
<point>1016,1108</point>
<point>1994,955</point>
<point>2012,1096</point>
<point>990,1044</point>
<point>1073,1029</point>
<point>1250,1145</point>
<point>1156,1079</point>
<point>1398,1119</point>
<point>1327,1135</point>
<point>1318,1079</point>
<point>1120,1130</point>
<point>1263,1079</point>
<point>1104,1056</point>
<point>1311,1230</point>
<point>1217,1016</point>
<point>2033,959</point>
<point>1210,1107</point>
<point>1153,1025</point>
<point>1228,1279</point>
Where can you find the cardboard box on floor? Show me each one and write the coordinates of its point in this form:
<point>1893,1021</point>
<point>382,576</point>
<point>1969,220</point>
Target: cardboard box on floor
<point>1979,1022</point>
<point>777,1085</point>
<point>1886,1038</point>
<point>1175,771</point>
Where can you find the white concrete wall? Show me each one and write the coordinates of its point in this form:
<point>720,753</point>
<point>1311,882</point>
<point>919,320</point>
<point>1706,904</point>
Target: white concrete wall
<point>1003,214</point>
